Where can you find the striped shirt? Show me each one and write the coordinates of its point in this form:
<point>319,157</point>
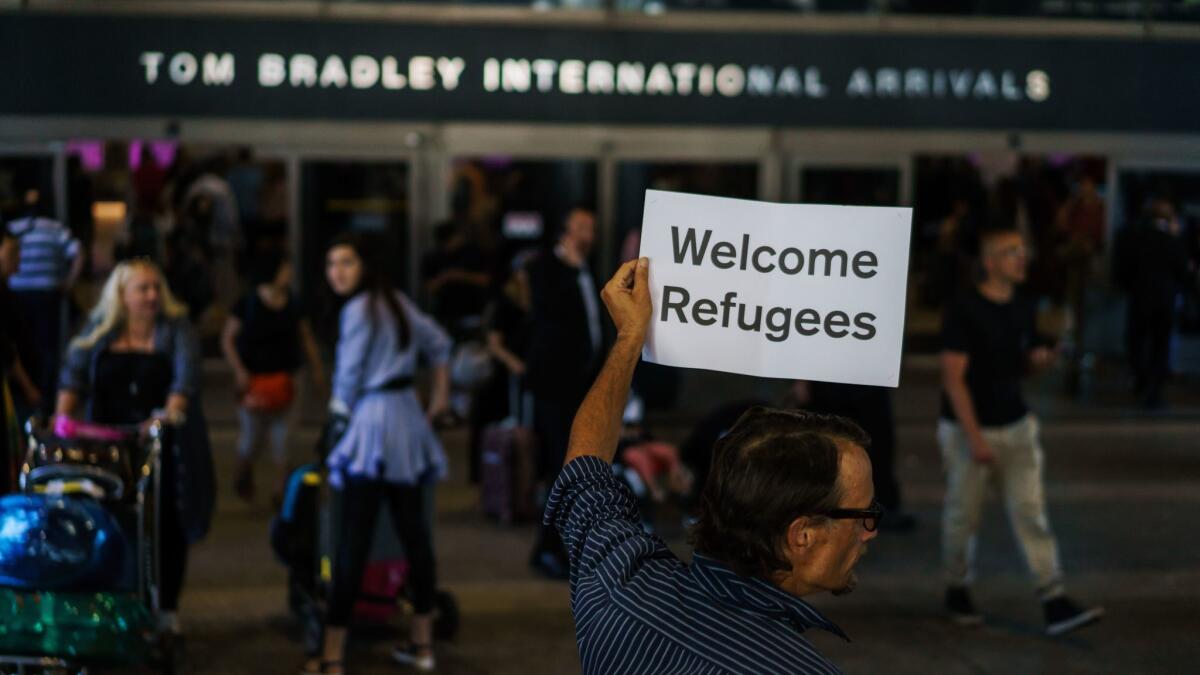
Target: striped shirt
<point>639,609</point>
<point>47,250</point>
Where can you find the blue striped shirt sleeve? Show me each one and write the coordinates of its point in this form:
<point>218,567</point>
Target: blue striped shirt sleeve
<point>598,519</point>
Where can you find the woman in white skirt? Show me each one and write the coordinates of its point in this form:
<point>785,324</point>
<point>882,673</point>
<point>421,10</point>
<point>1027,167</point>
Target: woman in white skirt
<point>389,453</point>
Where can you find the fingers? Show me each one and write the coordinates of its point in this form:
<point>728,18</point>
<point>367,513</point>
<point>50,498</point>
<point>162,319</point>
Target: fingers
<point>641,282</point>
<point>624,278</point>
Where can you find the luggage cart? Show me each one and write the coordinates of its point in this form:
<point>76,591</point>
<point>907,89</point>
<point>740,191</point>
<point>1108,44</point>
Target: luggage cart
<point>78,626</point>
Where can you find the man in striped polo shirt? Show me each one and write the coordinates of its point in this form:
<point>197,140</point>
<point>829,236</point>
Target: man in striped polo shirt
<point>50,263</point>
<point>787,512</point>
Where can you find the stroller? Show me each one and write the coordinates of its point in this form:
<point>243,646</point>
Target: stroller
<point>79,553</point>
<point>302,537</point>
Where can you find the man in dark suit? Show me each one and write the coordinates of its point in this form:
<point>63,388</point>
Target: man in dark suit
<point>566,345</point>
<point>1151,264</point>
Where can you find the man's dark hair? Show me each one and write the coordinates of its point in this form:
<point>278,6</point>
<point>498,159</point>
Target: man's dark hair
<point>560,223</point>
<point>265,266</point>
<point>987,235</point>
<point>772,467</point>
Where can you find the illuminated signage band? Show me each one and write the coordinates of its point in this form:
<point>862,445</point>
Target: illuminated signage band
<point>594,77</point>
<point>391,71</point>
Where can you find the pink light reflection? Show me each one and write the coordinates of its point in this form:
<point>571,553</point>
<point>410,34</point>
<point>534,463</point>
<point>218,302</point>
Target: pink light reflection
<point>91,152</point>
<point>163,151</point>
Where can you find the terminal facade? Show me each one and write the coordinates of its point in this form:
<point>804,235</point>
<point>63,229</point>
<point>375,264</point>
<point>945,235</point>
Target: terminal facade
<point>394,117</point>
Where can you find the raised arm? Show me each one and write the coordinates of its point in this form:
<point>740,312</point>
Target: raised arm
<point>597,425</point>
<point>597,515</point>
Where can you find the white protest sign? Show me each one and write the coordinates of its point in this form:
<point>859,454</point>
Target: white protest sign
<point>797,291</point>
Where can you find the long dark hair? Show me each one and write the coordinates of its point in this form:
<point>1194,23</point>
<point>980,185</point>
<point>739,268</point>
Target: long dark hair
<point>375,283</point>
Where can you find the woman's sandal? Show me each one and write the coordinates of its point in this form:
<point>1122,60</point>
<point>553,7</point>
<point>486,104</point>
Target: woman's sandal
<point>323,667</point>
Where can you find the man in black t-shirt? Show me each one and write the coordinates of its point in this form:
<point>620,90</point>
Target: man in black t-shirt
<point>265,340</point>
<point>987,433</point>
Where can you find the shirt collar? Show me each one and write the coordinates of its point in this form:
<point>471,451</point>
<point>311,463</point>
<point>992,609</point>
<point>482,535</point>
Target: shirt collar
<point>759,596</point>
<point>560,252</point>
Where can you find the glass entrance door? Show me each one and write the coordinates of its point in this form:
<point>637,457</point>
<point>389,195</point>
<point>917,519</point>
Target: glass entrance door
<point>859,186</point>
<point>507,205</point>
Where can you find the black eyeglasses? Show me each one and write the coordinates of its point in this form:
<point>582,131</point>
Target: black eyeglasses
<point>869,516</point>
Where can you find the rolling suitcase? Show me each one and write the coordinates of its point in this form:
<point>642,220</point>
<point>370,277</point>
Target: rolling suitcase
<point>507,462</point>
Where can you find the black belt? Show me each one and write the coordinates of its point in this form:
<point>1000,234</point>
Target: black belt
<point>395,384</point>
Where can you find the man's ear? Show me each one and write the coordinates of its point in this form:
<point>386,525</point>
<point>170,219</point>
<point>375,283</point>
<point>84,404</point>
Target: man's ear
<point>801,534</point>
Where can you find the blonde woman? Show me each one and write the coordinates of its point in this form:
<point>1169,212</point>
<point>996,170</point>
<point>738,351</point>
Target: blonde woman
<point>137,360</point>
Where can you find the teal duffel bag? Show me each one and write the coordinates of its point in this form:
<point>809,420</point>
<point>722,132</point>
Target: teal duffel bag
<point>98,627</point>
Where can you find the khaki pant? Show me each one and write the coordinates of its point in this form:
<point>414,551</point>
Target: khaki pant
<point>1017,474</point>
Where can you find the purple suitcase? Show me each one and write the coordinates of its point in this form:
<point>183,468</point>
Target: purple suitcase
<point>506,460</point>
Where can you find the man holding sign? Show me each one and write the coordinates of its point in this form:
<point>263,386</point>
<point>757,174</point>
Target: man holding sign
<point>787,511</point>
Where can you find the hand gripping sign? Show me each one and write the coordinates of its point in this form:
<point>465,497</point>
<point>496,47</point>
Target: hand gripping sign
<point>796,291</point>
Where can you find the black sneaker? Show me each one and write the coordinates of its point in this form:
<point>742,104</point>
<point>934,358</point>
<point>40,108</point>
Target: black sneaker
<point>1064,616</point>
<point>961,609</point>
